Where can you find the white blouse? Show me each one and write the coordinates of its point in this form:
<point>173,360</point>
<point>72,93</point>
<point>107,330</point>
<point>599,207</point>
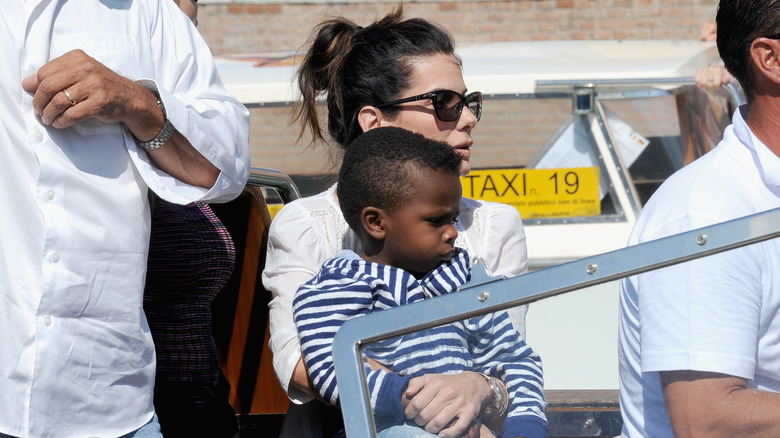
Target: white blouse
<point>308,231</point>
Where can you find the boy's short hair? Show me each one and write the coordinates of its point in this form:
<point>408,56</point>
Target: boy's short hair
<point>376,169</point>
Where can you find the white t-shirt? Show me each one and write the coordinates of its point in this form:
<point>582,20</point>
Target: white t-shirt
<point>76,356</point>
<point>714,314</point>
<point>308,231</point>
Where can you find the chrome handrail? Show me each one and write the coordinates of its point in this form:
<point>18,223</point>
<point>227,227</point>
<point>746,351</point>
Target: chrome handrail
<point>277,180</point>
<point>485,294</point>
<point>735,93</point>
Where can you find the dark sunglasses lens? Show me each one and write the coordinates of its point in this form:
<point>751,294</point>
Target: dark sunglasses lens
<point>474,102</point>
<point>448,105</point>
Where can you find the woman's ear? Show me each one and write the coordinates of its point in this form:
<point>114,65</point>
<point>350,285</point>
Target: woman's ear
<point>374,222</point>
<point>765,53</point>
<point>370,117</point>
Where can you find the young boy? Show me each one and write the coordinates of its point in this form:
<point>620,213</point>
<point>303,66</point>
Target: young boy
<point>400,193</point>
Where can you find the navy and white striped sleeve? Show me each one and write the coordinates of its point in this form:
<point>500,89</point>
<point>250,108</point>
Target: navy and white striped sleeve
<point>499,351</point>
<point>320,308</point>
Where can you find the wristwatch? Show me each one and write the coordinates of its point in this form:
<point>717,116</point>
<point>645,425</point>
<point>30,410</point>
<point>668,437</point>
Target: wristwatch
<point>500,398</point>
<point>165,133</point>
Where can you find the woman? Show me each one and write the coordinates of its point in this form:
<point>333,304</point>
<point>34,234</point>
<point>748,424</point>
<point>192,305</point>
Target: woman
<point>191,257</point>
<point>402,73</point>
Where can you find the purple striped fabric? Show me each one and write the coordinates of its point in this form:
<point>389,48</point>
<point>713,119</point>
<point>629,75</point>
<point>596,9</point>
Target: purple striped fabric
<point>191,256</point>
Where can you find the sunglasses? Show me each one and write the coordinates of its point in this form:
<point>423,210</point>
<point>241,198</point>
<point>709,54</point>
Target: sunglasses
<point>447,104</point>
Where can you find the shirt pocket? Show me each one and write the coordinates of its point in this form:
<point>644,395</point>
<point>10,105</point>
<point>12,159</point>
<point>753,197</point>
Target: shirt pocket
<point>118,52</point>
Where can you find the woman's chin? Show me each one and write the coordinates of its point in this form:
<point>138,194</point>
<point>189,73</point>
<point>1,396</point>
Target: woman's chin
<point>465,168</point>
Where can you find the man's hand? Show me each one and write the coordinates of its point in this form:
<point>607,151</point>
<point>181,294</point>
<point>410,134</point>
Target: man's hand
<point>448,405</point>
<point>75,87</point>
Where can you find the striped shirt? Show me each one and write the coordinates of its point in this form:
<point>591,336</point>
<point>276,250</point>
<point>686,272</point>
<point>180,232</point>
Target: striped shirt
<point>348,286</point>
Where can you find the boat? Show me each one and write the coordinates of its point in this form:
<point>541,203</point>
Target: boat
<point>576,135</point>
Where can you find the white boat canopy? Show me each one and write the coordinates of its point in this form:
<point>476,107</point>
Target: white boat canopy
<point>498,68</point>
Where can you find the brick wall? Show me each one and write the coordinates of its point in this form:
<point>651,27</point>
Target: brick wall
<point>242,27</point>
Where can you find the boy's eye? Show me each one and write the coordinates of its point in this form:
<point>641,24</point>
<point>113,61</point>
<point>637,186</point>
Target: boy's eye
<point>443,220</point>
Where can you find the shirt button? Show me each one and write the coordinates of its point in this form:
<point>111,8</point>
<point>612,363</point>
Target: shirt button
<point>50,195</point>
<point>47,321</point>
<point>55,257</point>
<point>38,135</point>
<point>32,71</point>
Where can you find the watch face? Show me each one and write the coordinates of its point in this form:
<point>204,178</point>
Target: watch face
<point>497,395</point>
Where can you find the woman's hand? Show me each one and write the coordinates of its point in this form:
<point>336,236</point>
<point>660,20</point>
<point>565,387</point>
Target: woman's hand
<point>484,432</point>
<point>447,405</point>
<point>712,77</point>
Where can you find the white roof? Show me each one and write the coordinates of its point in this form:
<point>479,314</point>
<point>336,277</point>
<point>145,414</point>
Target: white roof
<point>515,67</point>
<point>498,68</point>
<point>259,78</point>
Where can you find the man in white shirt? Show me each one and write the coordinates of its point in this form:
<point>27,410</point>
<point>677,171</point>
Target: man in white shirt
<point>698,342</point>
<point>101,102</point>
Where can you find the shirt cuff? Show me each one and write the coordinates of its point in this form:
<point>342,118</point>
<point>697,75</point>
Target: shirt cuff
<point>388,404</point>
<point>524,426</point>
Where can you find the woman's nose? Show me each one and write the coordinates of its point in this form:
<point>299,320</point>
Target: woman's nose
<point>468,118</point>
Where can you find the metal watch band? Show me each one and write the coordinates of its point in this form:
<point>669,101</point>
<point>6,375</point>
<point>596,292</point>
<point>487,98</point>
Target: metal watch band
<point>165,133</point>
<point>500,398</point>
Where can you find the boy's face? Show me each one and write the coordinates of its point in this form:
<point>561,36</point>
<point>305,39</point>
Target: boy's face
<point>419,235</point>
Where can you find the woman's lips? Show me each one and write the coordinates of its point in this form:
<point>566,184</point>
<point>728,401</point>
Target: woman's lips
<point>464,151</point>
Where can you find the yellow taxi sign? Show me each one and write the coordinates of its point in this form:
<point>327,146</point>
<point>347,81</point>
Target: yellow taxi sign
<point>538,193</point>
<point>273,209</point>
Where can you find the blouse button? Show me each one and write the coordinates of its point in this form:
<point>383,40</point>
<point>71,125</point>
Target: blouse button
<point>50,195</point>
<point>55,257</point>
<point>47,321</point>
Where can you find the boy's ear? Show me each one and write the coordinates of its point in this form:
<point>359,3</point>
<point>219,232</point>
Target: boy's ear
<point>370,117</point>
<point>374,221</point>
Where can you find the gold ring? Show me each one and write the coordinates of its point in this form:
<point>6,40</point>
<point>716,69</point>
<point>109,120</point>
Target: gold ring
<point>68,96</point>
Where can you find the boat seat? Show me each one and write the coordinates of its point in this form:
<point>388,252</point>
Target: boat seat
<point>240,310</point>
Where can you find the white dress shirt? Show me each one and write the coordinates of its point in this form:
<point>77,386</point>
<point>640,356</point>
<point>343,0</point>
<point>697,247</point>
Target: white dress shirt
<point>308,231</point>
<point>76,356</point>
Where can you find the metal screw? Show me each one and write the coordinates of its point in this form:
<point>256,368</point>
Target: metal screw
<point>483,296</point>
<point>592,268</point>
<point>701,239</point>
<point>589,423</point>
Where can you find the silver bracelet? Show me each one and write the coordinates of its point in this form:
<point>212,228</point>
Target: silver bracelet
<point>165,133</point>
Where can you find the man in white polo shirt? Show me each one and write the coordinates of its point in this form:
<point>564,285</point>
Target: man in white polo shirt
<point>699,342</point>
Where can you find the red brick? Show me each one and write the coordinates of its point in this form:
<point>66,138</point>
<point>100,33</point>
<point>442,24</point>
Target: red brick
<point>448,6</point>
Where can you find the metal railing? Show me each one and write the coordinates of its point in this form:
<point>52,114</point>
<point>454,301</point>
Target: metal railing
<point>277,180</point>
<point>485,294</point>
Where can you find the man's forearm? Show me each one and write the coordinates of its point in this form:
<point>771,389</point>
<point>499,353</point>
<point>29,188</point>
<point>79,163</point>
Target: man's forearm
<point>714,405</point>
